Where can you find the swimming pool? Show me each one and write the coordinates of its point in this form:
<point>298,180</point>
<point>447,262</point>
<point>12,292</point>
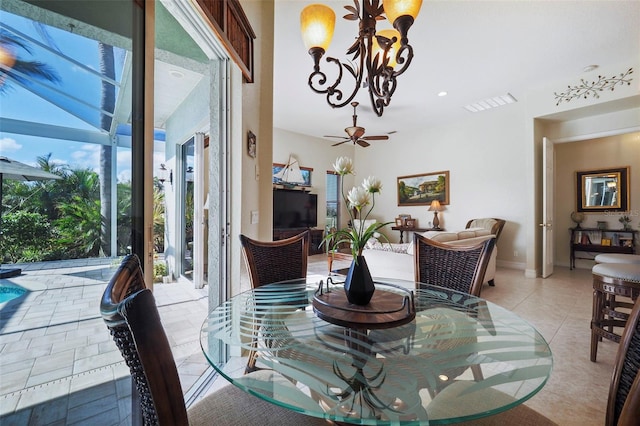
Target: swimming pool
<point>10,291</point>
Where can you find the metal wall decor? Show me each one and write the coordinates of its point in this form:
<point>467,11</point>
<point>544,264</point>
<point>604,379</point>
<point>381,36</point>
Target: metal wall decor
<point>586,88</point>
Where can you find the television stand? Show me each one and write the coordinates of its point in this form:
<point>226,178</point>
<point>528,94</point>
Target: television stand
<point>315,235</point>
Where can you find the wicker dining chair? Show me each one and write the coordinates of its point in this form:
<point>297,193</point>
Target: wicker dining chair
<point>460,268</point>
<point>623,406</point>
<point>273,261</point>
<point>129,310</point>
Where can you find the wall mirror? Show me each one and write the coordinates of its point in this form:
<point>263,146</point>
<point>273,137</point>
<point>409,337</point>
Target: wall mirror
<point>602,190</point>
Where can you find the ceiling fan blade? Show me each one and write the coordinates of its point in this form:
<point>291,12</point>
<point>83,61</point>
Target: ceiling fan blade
<point>340,137</point>
<point>363,143</point>
<point>376,138</point>
<point>340,143</point>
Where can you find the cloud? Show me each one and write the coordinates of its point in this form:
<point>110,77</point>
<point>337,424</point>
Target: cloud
<point>87,157</point>
<point>9,145</point>
<point>124,158</point>
<point>124,176</point>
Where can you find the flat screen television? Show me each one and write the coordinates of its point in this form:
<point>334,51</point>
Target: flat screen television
<point>294,209</point>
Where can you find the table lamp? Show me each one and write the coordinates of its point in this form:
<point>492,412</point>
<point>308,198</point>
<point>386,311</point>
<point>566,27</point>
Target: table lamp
<point>435,207</point>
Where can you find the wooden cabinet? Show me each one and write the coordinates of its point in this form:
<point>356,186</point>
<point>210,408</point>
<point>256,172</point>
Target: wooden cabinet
<point>314,242</point>
<point>590,241</point>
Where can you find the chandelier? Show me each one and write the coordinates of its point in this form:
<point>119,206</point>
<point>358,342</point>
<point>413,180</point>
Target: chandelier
<point>381,55</point>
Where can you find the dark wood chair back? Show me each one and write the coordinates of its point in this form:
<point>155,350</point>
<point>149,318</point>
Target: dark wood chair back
<point>129,310</point>
<point>623,408</point>
<point>460,268</point>
<point>127,279</point>
<point>496,229</point>
<point>272,261</point>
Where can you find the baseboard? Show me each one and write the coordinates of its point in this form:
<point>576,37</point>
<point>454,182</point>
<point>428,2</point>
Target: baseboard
<point>510,265</point>
<point>531,273</point>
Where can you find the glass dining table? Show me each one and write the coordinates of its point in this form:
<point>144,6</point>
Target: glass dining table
<point>419,356</point>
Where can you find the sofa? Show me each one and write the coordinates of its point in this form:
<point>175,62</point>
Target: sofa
<point>395,261</point>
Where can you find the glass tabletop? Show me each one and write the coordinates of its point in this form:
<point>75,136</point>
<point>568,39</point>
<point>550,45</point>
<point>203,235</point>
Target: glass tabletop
<point>459,358</point>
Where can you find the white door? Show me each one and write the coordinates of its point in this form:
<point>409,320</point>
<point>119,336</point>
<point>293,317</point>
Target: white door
<point>547,208</point>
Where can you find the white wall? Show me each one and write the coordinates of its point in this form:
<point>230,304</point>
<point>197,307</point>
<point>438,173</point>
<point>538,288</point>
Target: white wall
<point>485,156</point>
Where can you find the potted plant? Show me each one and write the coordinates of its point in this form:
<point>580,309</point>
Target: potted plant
<point>358,285</point>
<point>160,272</point>
<point>626,222</point>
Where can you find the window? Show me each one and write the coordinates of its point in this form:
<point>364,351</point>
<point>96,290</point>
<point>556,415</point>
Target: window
<point>333,200</point>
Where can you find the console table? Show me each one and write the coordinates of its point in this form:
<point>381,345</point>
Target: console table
<point>408,229</point>
<point>315,237</point>
<point>589,240</point>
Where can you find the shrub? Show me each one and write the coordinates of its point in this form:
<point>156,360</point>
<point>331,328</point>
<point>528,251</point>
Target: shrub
<point>24,234</point>
<point>159,271</point>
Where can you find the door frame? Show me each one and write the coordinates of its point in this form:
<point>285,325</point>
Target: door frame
<point>548,210</point>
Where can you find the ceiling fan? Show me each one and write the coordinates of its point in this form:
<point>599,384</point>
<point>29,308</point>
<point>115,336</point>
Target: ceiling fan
<point>355,133</point>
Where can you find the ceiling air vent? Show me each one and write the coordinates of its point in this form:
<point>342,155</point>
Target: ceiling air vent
<point>489,103</point>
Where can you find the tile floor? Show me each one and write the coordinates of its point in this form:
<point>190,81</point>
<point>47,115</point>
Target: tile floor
<point>58,365</point>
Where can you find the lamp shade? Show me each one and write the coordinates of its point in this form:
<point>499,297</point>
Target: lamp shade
<point>390,34</point>
<point>7,58</point>
<point>435,206</point>
<point>396,8</point>
<point>317,23</point>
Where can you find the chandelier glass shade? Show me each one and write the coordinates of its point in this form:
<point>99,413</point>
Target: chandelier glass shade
<point>377,58</point>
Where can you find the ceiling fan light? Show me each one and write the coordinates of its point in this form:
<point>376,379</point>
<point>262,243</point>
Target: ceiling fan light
<point>393,51</point>
<point>397,8</point>
<point>317,23</point>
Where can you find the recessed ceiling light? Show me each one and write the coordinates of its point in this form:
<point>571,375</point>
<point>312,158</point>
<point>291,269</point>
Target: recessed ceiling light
<point>443,93</point>
<point>176,74</point>
<point>489,103</point>
<point>589,68</point>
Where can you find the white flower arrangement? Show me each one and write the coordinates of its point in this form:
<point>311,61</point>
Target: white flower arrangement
<point>358,198</point>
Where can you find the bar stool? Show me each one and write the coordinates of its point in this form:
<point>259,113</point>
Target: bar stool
<point>617,258</point>
<point>611,280</point>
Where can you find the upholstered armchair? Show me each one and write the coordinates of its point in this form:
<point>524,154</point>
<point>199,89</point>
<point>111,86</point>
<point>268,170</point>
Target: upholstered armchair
<point>493,224</point>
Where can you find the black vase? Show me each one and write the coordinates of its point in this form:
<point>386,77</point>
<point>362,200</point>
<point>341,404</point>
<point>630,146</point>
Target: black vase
<point>359,285</point>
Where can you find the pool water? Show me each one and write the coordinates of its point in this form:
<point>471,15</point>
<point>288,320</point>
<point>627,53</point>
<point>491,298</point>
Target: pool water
<point>10,291</point>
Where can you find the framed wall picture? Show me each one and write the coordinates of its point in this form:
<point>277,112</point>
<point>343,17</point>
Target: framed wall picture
<point>603,190</point>
<point>421,190</point>
<point>305,171</point>
<point>251,144</point>
<point>404,218</point>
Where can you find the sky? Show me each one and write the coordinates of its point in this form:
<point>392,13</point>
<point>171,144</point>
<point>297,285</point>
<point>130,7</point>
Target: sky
<point>74,58</point>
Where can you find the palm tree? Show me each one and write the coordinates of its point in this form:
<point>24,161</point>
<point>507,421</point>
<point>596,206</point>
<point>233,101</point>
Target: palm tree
<point>158,219</point>
<point>49,190</point>
<point>107,103</point>
<point>12,66</point>
<point>123,200</point>
<point>79,227</point>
